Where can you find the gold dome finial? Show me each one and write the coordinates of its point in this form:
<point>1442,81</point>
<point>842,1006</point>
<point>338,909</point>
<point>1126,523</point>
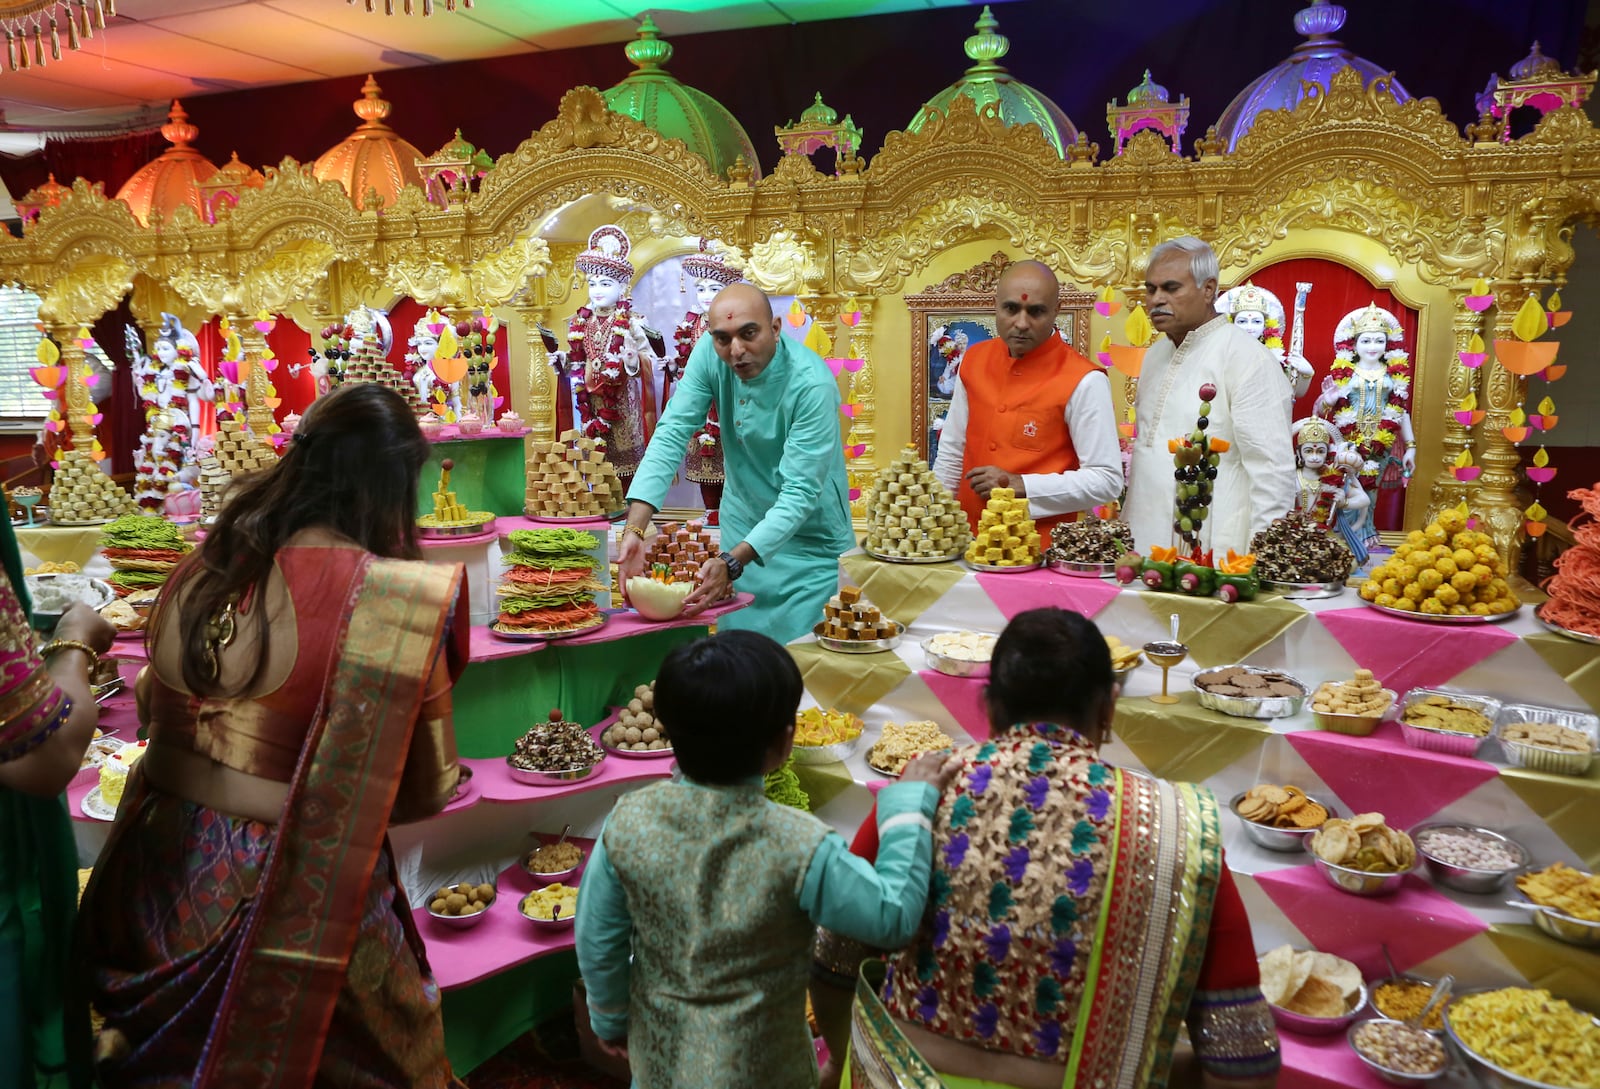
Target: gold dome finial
<point>371,108</point>
<point>177,130</point>
<point>987,46</point>
<point>374,162</point>
<point>648,52</point>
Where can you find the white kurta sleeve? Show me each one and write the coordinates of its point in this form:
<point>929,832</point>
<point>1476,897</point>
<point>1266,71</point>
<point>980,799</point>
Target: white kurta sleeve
<point>1092,425</point>
<point>952,440</point>
<point>1261,425</point>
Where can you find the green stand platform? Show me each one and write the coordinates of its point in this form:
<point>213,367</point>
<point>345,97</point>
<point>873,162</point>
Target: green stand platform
<point>490,474</point>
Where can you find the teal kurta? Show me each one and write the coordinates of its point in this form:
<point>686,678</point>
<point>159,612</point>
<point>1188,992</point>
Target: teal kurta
<point>786,495</point>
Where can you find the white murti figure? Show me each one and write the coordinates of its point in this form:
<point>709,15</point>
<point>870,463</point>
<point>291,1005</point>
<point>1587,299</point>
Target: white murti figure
<point>178,351</point>
<point>609,358</point>
<point>709,270</point>
<point>952,348</point>
<point>1367,395</point>
<point>1329,492</point>
<point>1258,312</point>
<point>431,389</point>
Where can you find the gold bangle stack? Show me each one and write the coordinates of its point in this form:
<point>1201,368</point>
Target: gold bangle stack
<point>629,527</point>
<point>56,645</point>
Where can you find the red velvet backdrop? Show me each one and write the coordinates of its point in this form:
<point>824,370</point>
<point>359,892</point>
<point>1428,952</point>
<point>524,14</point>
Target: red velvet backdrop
<point>1336,290</point>
<point>404,318</point>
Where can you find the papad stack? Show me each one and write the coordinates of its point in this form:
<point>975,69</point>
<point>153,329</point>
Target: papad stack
<point>549,584</point>
<point>143,550</point>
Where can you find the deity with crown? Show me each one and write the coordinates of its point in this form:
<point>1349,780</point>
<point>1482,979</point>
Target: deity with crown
<point>1258,312</point>
<point>172,386</point>
<point>710,273</point>
<point>609,358</point>
<point>1329,491</point>
<point>432,390</point>
<point>1366,395</point>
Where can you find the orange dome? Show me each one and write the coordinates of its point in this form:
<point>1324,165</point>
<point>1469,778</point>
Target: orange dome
<point>173,179</point>
<point>373,157</point>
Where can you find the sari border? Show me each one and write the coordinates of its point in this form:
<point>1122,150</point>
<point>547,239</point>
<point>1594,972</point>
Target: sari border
<point>1091,975</point>
<point>879,1051</point>
<point>1196,900</point>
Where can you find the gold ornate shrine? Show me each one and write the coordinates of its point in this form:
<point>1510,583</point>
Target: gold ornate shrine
<point>1393,191</point>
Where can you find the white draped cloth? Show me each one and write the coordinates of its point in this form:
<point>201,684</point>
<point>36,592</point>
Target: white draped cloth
<point>1256,478</point>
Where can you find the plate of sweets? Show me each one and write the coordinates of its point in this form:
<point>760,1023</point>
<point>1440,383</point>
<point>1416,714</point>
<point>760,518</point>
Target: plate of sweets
<point>1444,574</point>
<point>1007,542</point>
<point>853,625</point>
<point>1354,707</point>
<point>1442,720</point>
<point>825,736</point>
<point>554,752</point>
<point>1279,818</point>
<point>1089,547</point>
<point>638,734</point>
<point>900,742</point>
<point>911,517</point>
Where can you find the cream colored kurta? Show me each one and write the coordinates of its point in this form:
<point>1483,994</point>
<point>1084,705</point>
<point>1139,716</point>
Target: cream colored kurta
<point>1256,478</point>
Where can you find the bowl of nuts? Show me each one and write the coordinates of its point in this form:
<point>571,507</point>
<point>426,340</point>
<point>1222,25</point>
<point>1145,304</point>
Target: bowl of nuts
<point>1467,859</point>
<point>1399,1053</point>
<point>461,905</point>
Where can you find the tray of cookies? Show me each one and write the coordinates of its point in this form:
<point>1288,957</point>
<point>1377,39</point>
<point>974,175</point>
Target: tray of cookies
<point>853,625</point>
<point>911,517</point>
<point>1247,691</point>
<point>1547,738</point>
<point>1353,707</point>
<point>1280,817</point>
<point>1442,720</point>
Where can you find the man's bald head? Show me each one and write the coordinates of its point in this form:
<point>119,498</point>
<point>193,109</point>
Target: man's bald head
<point>743,330</point>
<point>1026,302</point>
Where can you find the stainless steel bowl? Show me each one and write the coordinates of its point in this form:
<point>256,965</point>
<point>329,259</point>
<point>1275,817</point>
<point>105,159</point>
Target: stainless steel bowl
<point>1484,1072</point>
<point>1387,1073</point>
<point>1467,878</point>
<point>951,665</point>
<point>1306,1025</point>
<point>827,754</point>
<point>558,877</point>
<point>461,922</point>
<point>563,923</point>
<point>1374,986</point>
<point>1278,839</point>
<point>1250,706</point>
<point>1359,882</point>
<point>549,778</point>
<point>1566,928</point>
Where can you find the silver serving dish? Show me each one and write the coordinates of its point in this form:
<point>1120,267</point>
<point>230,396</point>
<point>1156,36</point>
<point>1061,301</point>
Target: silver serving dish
<point>1359,882</point>
<point>827,754</point>
<point>951,665</point>
<point>550,778</point>
<point>1306,1025</point>
<point>447,533</point>
<point>638,754</point>
<point>1522,754</point>
<point>1582,637</point>
<point>1454,742</point>
<point>1467,878</point>
<point>1427,618</point>
<point>553,877</point>
<point>1250,706</point>
<point>1278,839</point>
<point>886,558</point>
<point>461,922</point>
<point>1009,569</point>
<point>93,592</point>
<point>1304,591</point>
<point>860,646</point>
<point>1388,1073</point>
<point>1374,986</point>
<point>1084,570</point>
<point>554,520</point>
<point>546,636</point>
<point>1561,926</point>
<point>1483,1071</point>
<point>1355,725</point>
<point>562,922</point>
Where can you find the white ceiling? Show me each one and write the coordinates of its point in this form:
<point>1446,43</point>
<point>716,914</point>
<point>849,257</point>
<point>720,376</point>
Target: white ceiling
<point>157,50</point>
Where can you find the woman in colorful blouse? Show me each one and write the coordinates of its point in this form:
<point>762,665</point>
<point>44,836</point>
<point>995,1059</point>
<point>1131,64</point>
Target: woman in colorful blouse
<point>47,718</point>
<point>1079,913</point>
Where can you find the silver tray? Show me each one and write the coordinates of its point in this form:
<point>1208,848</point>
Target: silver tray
<point>1538,614</point>
<point>553,520</point>
<point>832,753</point>
<point>886,558</point>
<point>637,754</point>
<point>1425,618</point>
<point>1013,569</point>
<point>1305,591</point>
<point>552,778</point>
<point>445,533</point>
<point>97,808</point>
<point>883,771</point>
<point>1084,570</point>
<point>1250,706</point>
<point>546,636</point>
<point>1483,1071</point>
<point>860,646</point>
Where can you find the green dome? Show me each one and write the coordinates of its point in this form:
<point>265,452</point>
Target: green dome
<point>657,99</point>
<point>987,81</point>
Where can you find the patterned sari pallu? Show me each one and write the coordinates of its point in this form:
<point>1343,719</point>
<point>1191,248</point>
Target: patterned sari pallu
<point>1068,918</point>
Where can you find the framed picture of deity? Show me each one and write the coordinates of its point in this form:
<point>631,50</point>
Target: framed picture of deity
<point>951,317</point>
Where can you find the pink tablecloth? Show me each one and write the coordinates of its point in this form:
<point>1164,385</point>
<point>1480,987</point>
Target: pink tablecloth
<point>620,623</point>
<point>495,784</point>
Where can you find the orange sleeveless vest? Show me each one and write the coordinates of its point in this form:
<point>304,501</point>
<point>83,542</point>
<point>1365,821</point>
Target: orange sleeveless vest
<point>1016,414</point>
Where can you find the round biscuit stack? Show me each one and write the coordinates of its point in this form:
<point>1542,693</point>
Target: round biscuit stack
<point>1361,696</point>
<point>1281,807</point>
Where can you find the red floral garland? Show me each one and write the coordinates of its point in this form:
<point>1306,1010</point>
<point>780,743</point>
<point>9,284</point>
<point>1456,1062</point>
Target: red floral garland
<point>708,438</point>
<point>1373,450</point>
<point>601,398</point>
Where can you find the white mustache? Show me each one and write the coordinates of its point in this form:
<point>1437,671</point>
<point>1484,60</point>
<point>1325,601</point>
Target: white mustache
<point>1161,312</point>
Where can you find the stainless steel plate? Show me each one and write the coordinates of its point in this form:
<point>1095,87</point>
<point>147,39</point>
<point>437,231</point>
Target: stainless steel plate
<point>1013,569</point>
<point>1426,618</point>
<point>1304,591</point>
<point>886,558</point>
<point>860,646</point>
<point>1084,570</point>
<point>1538,614</point>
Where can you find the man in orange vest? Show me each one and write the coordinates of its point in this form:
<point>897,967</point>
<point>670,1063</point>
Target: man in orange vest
<point>1029,413</point>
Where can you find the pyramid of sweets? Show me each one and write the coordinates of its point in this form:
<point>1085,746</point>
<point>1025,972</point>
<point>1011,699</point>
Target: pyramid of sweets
<point>681,549</point>
<point>1298,549</point>
<point>82,494</point>
<point>1006,536</point>
<point>1090,540</point>
<point>570,478</point>
<point>911,515</point>
<point>237,451</point>
<point>448,511</point>
<point>370,365</point>
<point>143,549</point>
<point>850,616</point>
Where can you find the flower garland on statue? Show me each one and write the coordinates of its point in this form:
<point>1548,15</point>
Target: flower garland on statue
<point>1376,447</point>
<point>600,397</point>
<point>708,436</point>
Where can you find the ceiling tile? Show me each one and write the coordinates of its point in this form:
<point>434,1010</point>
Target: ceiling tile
<point>444,37</point>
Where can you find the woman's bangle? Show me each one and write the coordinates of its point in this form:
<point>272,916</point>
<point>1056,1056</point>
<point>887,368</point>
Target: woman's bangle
<point>71,644</point>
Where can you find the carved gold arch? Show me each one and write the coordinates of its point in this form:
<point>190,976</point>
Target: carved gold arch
<point>1391,189</point>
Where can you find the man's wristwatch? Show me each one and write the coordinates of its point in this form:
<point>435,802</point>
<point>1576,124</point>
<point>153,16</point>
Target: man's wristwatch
<point>735,568</point>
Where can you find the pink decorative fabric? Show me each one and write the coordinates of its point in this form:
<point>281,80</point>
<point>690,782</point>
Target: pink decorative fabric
<point>1405,654</point>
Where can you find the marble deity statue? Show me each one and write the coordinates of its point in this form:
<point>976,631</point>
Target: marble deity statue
<point>609,358</point>
<point>1258,312</point>
<point>710,272</point>
<point>431,389</point>
<point>952,348</point>
<point>178,351</point>
<point>172,385</point>
<point>1367,396</point>
<point>1329,492</point>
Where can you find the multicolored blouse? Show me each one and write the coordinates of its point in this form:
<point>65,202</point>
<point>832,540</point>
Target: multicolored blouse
<point>31,706</point>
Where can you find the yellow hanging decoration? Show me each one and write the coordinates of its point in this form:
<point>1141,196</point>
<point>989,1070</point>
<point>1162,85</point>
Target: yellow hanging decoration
<point>447,343</point>
<point>1469,402</point>
<point>1105,343</point>
<point>47,352</point>
<point>1554,302</point>
<point>1541,459</point>
<point>1480,286</point>
<point>1464,461</point>
<point>1475,344</point>
<point>1547,407</point>
<point>1536,513</point>
<point>1518,417</point>
<point>1138,329</point>
<point>1530,322</point>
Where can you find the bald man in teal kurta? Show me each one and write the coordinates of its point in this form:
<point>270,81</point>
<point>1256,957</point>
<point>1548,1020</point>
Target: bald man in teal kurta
<point>785,515</point>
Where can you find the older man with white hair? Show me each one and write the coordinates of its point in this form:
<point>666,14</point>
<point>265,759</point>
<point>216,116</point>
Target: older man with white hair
<point>1255,479</point>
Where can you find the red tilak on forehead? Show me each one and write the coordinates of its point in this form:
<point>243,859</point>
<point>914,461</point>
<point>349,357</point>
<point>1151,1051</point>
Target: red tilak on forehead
<point>1024,296</point>
<point>729,315</point>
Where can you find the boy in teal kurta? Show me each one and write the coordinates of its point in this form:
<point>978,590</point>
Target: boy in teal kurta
<point>785,506</point>
<point>714,892</point>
